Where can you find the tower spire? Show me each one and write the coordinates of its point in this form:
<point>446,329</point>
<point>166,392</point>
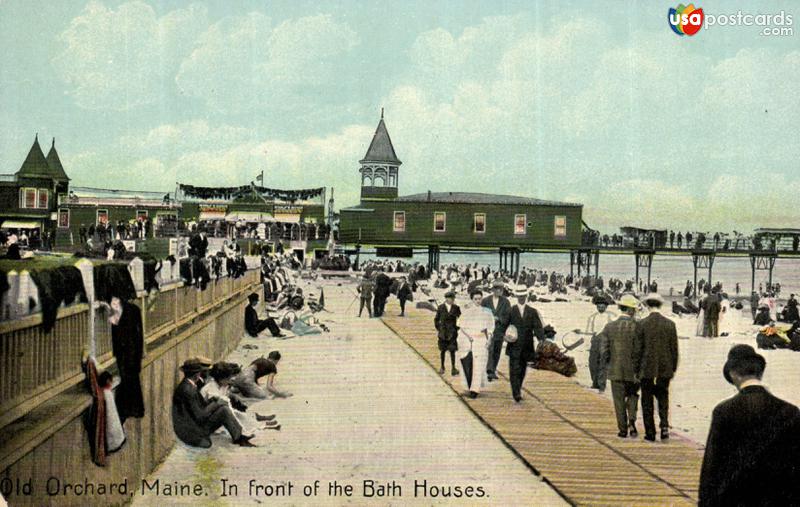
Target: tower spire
<point>381,113</point>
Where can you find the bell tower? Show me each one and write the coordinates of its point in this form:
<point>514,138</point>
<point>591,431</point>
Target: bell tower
<point>379,167</point>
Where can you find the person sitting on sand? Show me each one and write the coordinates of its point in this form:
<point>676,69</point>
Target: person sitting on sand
<point>218,386</point>
<point>246,383</point>
<point>763,317</point>
<point>195,418</point>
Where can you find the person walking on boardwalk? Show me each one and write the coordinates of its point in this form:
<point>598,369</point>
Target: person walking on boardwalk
<point>446,322</point>
<point>751,455</point>
<point>476,326</point>
<point>403,294</point>
<point>501,310</point>
<point>617,350</point>
<point>598,368</point>
<point>527,321</point>
<point>381,292</point>
<point>655,361</point>
<point>365,288</point>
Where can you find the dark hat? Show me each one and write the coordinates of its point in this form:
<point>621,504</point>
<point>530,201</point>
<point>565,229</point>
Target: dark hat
<point>195,364</point>
<point>449,294</point>
<point>601,299</point>
<point>253,297</point>
<point>498,284</point>
<point>739,355</point>
<point>223,370</point>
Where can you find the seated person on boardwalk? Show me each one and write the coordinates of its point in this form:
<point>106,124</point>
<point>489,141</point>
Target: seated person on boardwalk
<point>246,382</point>
<point>253,325</point>
<point>218,386</point>
<point>194,418</point>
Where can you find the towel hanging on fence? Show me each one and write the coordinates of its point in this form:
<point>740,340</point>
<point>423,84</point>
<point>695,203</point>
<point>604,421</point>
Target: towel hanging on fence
<point>127,341</point>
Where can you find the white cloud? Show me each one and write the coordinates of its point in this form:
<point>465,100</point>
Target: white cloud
<point>221,156</point>
<point>121,58</point>
<point>243,63</point>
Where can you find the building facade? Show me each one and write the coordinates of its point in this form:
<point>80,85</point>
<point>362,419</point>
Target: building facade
<point>450,219</point>
<point>29,198</point>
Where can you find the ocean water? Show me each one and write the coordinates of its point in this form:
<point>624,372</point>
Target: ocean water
<point>667,270</point>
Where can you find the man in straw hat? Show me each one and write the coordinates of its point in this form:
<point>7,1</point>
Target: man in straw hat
<point>527,322</point>
<point>655,359</point>
<point>501,310</point>
<point>751,455</point>
<point>597,321</point>
<point>194,418</point>
<point>617,350</point>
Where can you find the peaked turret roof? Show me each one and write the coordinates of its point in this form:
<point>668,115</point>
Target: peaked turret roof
<point>55,163</point>
<point>381,149</point>
<point>35,164</point>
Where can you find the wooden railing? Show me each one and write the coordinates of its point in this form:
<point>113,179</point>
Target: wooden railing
<point>35,366</point>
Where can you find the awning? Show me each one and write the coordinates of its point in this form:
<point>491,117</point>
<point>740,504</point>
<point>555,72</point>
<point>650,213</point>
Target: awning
<point>285,218</point>
<point>21,224</point>
<point>212,215</point>
<point>249,216</point>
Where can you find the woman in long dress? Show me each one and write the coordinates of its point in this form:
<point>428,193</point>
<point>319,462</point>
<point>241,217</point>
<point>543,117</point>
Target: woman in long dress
<point>475,324</point>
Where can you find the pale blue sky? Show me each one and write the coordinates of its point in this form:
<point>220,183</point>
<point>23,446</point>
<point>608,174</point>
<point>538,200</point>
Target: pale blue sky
<point>559,100</point>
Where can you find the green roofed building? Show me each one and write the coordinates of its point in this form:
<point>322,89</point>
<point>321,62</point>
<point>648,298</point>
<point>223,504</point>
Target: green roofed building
<point>458,220</point>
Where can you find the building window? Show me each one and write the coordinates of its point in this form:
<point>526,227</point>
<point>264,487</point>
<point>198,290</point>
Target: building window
<point>479,223</point>
<point>399,221</point>
<point>63,218</point>
<point>560,223</point>
<point>62,198</point>
<point>43,198</point>
<point>519,224</point>
<point>27,197</point>
<point>439,221</point>
<point>102,216</point>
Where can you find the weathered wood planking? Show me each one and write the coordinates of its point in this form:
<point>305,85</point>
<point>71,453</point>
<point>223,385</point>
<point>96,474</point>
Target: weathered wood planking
<point>567,433</point>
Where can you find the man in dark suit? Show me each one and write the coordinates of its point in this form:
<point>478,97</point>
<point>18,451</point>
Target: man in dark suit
<point>383,287</point>
<point>752,454</point>
<point>253,325</point>
<point>616,342</point>
<point>655,358</point>
<point>194,418</point>
<point>501,310</point>
<point>446,323</point>
<point>403,294</point>
<point>528,322</point>
<point>198,245</point>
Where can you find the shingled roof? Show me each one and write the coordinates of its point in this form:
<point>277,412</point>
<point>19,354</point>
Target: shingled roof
<point>55,163</point>
<point>479,198</point>
<point>35,165</point>
<point>380,149</point>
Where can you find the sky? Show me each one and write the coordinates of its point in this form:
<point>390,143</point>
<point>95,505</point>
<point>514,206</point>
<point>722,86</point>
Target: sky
<point>596,103</point>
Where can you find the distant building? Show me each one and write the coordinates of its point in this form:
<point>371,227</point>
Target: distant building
<point>29,198</point>
<point>457,219</point>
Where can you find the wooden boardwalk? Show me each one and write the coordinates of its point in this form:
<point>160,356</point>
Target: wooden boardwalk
<point>567,433</point>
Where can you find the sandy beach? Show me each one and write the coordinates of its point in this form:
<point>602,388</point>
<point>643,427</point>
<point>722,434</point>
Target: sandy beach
<point>365,407</point>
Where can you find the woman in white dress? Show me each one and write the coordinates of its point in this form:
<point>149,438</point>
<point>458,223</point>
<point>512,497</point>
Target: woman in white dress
<point>475,323</point>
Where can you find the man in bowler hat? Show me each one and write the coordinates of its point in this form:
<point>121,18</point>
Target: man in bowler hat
<point>194,418</point>
<point>752,455</point>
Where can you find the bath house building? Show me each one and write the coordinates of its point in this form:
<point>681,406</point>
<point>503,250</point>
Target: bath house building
<point>449,219</point>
